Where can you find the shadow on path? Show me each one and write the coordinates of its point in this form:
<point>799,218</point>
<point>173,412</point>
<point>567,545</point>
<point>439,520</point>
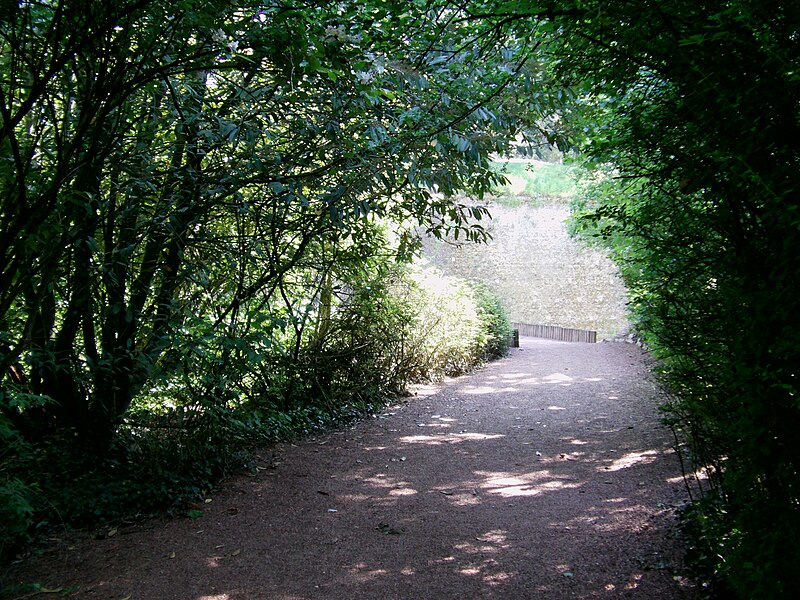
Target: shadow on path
<point>546,475</point>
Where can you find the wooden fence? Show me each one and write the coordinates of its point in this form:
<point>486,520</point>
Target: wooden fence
<point>552,332</point>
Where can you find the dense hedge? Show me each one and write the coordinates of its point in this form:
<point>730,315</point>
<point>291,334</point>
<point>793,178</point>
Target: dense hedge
<point>695,129</point>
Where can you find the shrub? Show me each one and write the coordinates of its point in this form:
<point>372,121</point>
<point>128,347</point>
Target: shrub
<point>495,326</point>
<point>16,512</point>
<point>389,325</point>
<point>17,492</point>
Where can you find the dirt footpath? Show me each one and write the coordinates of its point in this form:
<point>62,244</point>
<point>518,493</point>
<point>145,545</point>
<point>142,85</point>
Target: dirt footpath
<point>546,475</point>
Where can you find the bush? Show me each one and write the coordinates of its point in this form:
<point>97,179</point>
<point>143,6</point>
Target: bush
<point>16,512</point>
<point>699,205</point>
<point>458,327</point>
<point>16,492</point>
<point>495,326</point>
<point>390,325</point>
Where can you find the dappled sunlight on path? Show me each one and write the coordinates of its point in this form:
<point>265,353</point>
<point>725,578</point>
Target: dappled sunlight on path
<point>547,475</point>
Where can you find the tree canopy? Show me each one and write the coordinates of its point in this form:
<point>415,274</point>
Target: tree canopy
<point>170,167</point>
<point>191,195</point>
<point>203,205</point>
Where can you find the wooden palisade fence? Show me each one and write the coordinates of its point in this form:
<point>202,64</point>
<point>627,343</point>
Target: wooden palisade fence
<point>553,332</point>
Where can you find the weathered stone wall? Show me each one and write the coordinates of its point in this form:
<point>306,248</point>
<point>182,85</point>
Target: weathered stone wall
<point>542,275</point>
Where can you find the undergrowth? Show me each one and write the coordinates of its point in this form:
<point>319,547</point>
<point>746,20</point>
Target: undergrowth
<point>177,443</point>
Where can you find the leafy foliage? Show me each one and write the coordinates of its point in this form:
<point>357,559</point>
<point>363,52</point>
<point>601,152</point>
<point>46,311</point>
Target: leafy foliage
<point>421,327</point>
<point>460,324</point>
<point>196,202</point>
<point>16,493</point>
<point>535,181</point>
<point>495,325</point>
<point>693,119</point>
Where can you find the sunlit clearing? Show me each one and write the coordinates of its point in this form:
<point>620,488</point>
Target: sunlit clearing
<point>362,572</point>
<point>495,536</point>
<point>487,547</point>
<point>634,581</point>
<point>519,375</point>
<point>515,380</point>
<point>630,459</point>
<point>497,578</point>
<point>613,519</point>
<point>430,440</point>
<point>424,389</point>
<point>477,436</point>
<point>695,476</point>
<point>215,597</point>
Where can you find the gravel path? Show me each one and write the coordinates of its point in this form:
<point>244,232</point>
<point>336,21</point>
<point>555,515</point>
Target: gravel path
<point>546,475</point>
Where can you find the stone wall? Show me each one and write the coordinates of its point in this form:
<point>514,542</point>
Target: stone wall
<point>542,275</point>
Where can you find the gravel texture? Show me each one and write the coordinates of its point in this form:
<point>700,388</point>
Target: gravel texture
<point>545,475</point>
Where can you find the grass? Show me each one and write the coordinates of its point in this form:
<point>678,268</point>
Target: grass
<point>535,182</point>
